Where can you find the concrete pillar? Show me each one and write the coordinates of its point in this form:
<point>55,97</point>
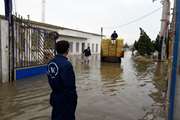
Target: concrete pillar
<point>4,52</point>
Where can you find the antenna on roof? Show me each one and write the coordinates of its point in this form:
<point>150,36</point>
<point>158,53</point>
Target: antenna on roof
<point>43,10</point>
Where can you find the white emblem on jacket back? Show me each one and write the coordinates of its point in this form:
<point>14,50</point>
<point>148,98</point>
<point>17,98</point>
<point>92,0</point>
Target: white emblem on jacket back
<point>53,69</point>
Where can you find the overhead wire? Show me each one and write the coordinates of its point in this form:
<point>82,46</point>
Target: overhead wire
<point>135,20</point>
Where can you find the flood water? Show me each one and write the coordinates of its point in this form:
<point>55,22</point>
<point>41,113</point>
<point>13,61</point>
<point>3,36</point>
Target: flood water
<point>107,91</point>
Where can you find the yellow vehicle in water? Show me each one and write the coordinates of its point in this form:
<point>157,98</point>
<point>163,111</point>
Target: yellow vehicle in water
<point>112,52</point>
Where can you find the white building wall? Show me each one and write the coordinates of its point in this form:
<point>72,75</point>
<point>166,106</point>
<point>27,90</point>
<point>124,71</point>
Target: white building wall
<point>74,36</point>
<point>81,37</point>
<point>74,33</point>
<point>94,40</point>
<point>73,41</point>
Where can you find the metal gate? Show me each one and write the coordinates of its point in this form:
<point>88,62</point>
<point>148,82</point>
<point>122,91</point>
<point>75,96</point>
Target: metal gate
<point>32,45</point>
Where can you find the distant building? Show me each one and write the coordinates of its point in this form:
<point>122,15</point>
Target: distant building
<point>79,40</point>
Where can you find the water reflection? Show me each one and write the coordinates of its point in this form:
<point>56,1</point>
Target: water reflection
<point>111,77</point>
<point>160,94</point>
<point>25,100</point>
<point>6,101</point>
<point>155,74</point>
<point>144,70</point>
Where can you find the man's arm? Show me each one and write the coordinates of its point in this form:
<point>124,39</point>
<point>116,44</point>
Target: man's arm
<point>68,78</point>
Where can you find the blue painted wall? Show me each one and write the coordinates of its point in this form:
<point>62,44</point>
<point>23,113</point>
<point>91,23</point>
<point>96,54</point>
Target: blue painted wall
<point>29,72</point>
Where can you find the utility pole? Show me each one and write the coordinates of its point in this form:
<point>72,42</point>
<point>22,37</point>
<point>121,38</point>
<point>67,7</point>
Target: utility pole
<point>43,10</point>
<point>101,33</point>
<point>164,26</point>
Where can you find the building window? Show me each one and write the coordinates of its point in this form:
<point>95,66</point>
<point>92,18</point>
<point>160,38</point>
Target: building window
<point>77,47</point>
<point>82,47</point>
<point>71,47</point>
<point>96,48</point>
<point>88,45</point>
<point>93,47</point>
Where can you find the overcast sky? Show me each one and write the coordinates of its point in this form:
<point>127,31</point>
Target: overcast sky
<point>90,15</point>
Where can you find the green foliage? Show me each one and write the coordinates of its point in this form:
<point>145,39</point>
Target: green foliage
<point>48,43</point>
<point>34,37</point>
<point>135,47</point>
<point>126,45</point>
<point>144,45</point>
<point>157,44</point>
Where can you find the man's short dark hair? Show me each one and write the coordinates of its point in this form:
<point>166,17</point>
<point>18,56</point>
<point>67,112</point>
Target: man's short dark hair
<point>62,47</point>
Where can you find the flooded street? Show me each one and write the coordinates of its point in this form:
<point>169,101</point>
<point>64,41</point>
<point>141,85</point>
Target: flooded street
<point>107,91</point>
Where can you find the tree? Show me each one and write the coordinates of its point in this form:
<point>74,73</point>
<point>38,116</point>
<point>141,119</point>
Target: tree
<point>135,46</point>
<point>144,44</point>
<point>157,44</point>
<point>126,45</point>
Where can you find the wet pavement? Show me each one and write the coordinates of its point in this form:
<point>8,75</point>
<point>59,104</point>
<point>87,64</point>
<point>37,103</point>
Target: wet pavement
<point>107,91</point>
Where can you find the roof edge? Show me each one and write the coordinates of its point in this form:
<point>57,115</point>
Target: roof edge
<point>55,26</point>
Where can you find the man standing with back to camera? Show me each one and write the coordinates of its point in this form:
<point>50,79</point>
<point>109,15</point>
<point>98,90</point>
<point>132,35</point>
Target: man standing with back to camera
<point>114,36</point>
<point>63,98</point>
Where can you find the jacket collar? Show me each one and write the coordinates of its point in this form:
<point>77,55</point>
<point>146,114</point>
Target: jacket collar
<point>62,56</point>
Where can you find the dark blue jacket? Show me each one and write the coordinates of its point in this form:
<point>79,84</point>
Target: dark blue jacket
<point>63,98</point>
<point>114,36</point>
<point>87,52</point>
